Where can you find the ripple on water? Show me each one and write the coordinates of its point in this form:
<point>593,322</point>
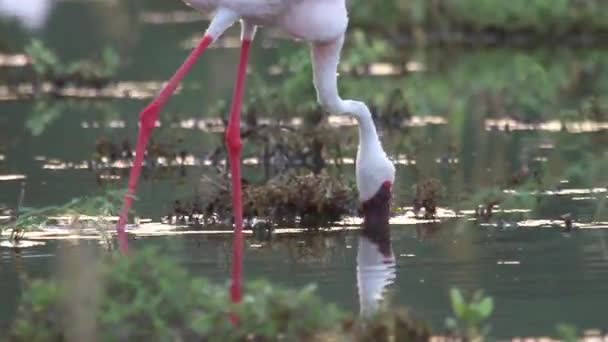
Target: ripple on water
<point>560,192</point>
<point>586,126</point>
<point>545,223</point>
<point>16,60</point>
<point>114,90</point>
<point>21,244</point>
<point>6,178</point>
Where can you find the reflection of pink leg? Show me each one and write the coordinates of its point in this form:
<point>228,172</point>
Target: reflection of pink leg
<point>147,121</point>
<point>233,140</point>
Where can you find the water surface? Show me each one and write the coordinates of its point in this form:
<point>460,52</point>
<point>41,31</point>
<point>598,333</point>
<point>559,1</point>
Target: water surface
<point>449,124</point>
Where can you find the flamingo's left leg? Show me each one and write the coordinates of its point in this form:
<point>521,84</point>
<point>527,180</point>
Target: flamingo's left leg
<point>148,117</point>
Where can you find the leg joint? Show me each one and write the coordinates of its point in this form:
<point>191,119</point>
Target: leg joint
<point>233,140</point>
<point>148,117</point>
<point>247,31</point>
<point>224,18</point>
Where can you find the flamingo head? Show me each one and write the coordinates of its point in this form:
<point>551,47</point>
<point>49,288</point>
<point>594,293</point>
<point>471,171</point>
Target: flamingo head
<point>376,214</point>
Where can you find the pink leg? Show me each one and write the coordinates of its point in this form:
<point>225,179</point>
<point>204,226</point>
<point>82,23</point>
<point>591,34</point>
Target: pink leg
<point>235,146</point>
<point>148,117</point>
<point>147,122</point>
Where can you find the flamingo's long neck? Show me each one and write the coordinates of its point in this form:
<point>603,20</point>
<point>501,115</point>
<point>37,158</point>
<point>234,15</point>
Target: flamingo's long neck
<point>369,143</point>
<point>373,166</point>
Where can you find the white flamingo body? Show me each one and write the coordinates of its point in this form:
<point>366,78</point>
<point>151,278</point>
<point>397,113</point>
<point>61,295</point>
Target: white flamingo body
<point>309,20</point>
<point>260,11</point>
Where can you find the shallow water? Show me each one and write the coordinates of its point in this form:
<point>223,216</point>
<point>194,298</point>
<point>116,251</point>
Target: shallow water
<point>538,274</point>
<point>538,277</point>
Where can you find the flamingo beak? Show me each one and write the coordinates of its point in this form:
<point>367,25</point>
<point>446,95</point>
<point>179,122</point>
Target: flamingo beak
<point>376,214</point>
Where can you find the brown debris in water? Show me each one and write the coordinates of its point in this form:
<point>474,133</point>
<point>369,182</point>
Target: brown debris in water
<point>568,222</point>
<point>485,211</point>
<point>427,194</point>
<point>294,200</point>
<point>304,200</point>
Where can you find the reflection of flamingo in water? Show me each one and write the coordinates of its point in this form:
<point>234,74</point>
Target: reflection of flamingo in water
<point>322,23</point>
<point>375,271</point>
<point>375,259</point>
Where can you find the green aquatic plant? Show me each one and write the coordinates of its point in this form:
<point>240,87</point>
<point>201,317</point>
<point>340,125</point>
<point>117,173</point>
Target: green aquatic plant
<point>41,298</point>
<point>363,50</point>
<point>148,296</point>
<point>540,17</point>
<point>469,317</point>
<point>567,332</point>
<point>44,61</point>
<point>43,114</point>
<point>95,72</point>
<point>28,219</point>
<point>48,67</point>
<point>454,21</point>
<point>46,111</point>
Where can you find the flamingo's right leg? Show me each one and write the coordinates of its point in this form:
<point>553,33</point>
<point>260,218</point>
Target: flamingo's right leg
<point>148,117</point>
<point>235,146</point>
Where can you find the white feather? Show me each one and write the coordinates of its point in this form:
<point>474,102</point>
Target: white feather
<point>310,20</point>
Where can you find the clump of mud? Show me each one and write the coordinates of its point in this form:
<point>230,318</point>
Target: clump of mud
<point>293,200</point>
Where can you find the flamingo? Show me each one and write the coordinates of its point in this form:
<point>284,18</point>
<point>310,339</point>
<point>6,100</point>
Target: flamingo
<point>322,24</point>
